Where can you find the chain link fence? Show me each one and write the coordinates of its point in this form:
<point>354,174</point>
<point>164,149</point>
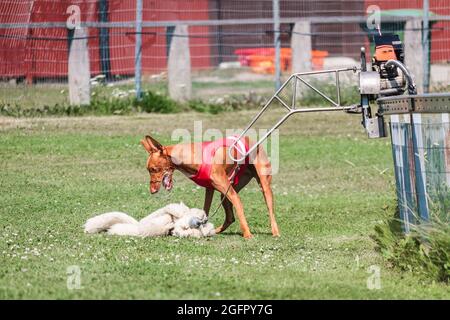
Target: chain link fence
<point>196,49</point>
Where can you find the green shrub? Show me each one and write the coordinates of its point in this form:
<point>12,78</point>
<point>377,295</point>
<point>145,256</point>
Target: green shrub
<point>425,250</point>
<point>113,106</point>
<point>201,106</point>
<point>154,102</point>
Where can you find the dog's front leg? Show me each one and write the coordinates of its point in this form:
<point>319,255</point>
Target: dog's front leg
<point>209,193</point>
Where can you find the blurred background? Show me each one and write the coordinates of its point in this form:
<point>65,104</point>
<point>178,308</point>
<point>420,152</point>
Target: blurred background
<point>62,53</point>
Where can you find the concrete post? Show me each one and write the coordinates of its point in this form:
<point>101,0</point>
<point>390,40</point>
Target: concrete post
<point>301,47</point>
<point>79,69</point>
<point>414,59</point>
<point>179,65</point>
<point>301,52</point>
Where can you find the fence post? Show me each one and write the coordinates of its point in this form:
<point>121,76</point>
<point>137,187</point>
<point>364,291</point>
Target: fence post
<point>79,69</point>
<point>414,58</point>
<point>277,42</point>
<point>104,40</point>
<point>426,45</point>
<point>179,65</point>
<point>138,49</point>
<point>301,52</point>
<point>301,47</point>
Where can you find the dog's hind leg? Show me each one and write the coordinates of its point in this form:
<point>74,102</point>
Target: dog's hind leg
<point>229,214</point>
<point>263,174</point>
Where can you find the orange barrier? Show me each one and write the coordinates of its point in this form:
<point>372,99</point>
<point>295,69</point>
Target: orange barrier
<point>318,58</point>
<point>262,60</point>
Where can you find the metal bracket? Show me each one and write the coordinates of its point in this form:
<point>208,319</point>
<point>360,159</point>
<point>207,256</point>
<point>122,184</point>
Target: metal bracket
<point>291,107</point>
<point>425,103</point>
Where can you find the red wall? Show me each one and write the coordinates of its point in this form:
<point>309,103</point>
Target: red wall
<point>13,51</point>
<point>38,57</point>
<point>40,52</point>
<point>154,44</point>
<point>45,52</point>
<point>440,34</point>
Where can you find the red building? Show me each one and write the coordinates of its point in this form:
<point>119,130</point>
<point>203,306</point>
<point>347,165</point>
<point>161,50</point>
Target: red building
<point>43,52</point>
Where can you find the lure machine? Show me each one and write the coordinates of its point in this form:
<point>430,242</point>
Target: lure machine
<point>385,75</point>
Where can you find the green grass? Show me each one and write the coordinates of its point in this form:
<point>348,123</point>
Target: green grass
<point>330,192</point>
<point>119,99</point>
<point>50,95</point>
<point>40,95</point>
<point>425,250</point>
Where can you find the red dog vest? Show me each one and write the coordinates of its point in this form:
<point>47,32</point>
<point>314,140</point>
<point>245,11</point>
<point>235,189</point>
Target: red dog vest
<point>209,148</point>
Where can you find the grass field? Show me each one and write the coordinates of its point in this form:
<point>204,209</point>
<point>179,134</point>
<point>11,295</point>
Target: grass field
<point>333,186</point>
<point>204,86</point>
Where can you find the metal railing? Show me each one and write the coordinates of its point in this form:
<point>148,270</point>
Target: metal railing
<point>294,79</point>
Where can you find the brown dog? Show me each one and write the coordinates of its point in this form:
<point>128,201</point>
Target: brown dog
<point>187,158</point>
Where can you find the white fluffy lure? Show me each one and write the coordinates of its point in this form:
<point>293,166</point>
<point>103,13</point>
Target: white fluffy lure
<point>174,219</point>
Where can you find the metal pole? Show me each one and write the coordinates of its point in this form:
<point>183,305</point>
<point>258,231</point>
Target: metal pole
<point>138,49</point>
<point>277,42</point>
<point>426,45</point>
<point>219,33</point>
<point>105,60</point>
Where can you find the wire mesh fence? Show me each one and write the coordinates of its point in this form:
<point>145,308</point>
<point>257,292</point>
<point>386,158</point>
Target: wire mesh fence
<point>420,146</point>
<point>229,48</point>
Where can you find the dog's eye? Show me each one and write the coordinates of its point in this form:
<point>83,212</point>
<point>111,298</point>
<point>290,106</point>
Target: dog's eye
<point>155,171</point>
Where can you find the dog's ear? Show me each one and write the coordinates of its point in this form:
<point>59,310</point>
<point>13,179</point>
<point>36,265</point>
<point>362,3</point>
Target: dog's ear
<point>151,145</point>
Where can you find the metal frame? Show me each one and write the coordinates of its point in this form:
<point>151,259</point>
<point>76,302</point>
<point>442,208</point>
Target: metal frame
<point>292,109</point>
<point>424,103</point>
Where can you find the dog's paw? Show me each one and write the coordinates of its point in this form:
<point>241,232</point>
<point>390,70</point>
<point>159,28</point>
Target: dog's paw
<point>247,235</point>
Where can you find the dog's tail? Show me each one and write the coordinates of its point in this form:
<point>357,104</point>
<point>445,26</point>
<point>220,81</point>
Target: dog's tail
<point>114,222</point>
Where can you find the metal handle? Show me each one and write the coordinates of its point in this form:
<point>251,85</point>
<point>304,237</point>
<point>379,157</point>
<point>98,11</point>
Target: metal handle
<point>292,109</point>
